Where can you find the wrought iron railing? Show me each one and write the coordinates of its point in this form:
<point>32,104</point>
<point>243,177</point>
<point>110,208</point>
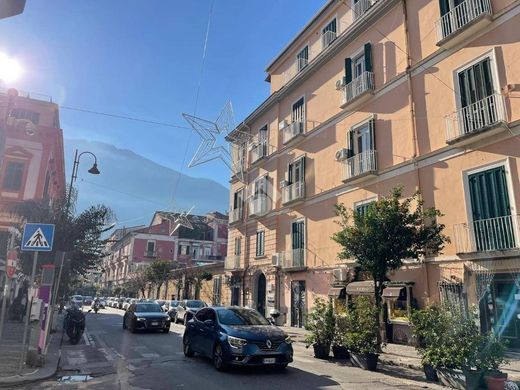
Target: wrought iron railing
<point>293,258</point>
<point>327,38</point>
<point>357,87</point>
<point>292,130</point>
<point>293,192</point>
<point>360,164</point>
<point>259,151</point>
<point>236,215</point>
<point>458,17</point>
<point>361,7</point>
<point>259,205</point>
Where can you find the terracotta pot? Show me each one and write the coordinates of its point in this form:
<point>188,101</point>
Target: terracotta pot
<point>430,373</point>
<point>321,351</point>
<point>495,383</point>
<point>366,362</point>
<point>340,352</point>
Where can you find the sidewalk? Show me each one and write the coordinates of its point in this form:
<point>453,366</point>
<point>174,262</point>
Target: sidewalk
<point>11,347</point>
<point>406,356</point>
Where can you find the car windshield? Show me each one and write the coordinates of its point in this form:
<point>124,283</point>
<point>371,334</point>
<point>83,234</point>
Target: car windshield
<point>241,317</point>
<point>195,304</point>
<point>148,308</point>
<point>174,303</point>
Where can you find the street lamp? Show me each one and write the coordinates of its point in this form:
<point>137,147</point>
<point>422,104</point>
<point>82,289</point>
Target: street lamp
<point>93,171</point>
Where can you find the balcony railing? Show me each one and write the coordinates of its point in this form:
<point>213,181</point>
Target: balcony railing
<point>294,258</point>
<point>236,215</point>
<point>361,7</point>
<point>259,205</point>
<point>232,263</point>
<point>360,164</point>
<point>357,87</point>
<point>460,16</point>
<point>150,254</point>
<point>327,38</point>
<point>293,192</point>
<point>301,63</point>
<point>493,234</point>
<point>475,117</point>
<point>292,131</point>
<point>259,151</point>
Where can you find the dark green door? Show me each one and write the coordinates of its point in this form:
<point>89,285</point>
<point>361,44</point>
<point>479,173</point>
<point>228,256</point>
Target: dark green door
<point>260,296</point>
<point>492,220</point>
<point>298,244</point>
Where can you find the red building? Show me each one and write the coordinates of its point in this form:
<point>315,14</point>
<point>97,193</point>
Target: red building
<point>31,154</point>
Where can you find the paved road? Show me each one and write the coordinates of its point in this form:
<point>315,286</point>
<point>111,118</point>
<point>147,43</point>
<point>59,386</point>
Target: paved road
<point>118,359</point>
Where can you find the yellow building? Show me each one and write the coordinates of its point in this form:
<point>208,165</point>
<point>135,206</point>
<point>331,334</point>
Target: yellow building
<point>369,95</point>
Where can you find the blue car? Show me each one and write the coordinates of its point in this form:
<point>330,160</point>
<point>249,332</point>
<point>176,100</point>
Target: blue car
<point>236,336</point>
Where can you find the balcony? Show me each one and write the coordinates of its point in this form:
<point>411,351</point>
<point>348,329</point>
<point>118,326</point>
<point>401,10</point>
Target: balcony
<point>293,192</point>
<point>292,260</point>
<point>150,254</point>
<point>462,22</point>
<point>487,235</point>
<point>293,131</point>
<point>258,152</point>
<point>327,38</point>
<point>361,7</point>
<point>360,166</point>
<point>357,91</point>
<point>236,215</point>
<point>232,263</point>
<point>463,125</point>
<point>259,205</point>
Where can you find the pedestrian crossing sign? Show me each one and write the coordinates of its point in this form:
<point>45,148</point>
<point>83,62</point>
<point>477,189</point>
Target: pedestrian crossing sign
<point>38,237</point>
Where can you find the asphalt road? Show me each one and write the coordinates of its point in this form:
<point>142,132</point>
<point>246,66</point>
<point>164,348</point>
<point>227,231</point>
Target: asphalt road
<point>109,357</point>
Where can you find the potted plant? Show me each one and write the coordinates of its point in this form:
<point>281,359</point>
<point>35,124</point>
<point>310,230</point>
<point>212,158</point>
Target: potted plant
<point>339,342</point>
<point>489,357</point>
<point>361,338</point>
<point>320,324</point>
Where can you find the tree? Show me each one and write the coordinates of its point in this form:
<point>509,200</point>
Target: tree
<point>80,236</point>
<point>389,231</point>
<point>137,281</point>
<point>158,273</point>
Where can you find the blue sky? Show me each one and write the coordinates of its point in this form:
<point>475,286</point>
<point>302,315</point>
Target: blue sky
<point>142,59</point>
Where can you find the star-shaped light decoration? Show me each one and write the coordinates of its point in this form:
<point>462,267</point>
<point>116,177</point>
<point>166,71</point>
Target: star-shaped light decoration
<point>212,148</point>
<point>182,220</point>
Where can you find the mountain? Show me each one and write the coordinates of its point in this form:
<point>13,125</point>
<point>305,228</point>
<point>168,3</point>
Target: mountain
<point>134,186</point>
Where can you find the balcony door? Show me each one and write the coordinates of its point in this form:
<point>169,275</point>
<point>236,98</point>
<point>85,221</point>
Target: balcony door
<point>298,114</point>
<point>361,143</point>
<point>298,243</point>
<point>298,303</point>
<point>478,106</point>
<point>492,221</point>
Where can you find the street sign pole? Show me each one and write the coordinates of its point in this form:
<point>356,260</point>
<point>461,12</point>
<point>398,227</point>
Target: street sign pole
<point>28,312</point>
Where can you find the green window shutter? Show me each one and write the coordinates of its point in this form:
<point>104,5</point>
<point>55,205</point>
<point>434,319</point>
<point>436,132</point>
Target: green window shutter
<point>489,195</point>
<point>350,144</point>
<point>348,70</point>
<point>372,128</point>
<point>368,57</point>
<point>444,6</point>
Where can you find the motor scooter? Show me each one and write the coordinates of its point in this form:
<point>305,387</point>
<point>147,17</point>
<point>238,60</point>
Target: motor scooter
<point>95,306</point>
<point>74,324</point>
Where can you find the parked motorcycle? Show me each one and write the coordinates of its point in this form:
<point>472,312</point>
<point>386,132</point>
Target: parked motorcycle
<point>74,324</point>
<point>96,306</point>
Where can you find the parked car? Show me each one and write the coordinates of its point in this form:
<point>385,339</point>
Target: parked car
<point>87,300</point>
<point>187,308</point>
<point>160,302</point>
<point>172,309</point>
<point>120,302</point>
<point>146,316</point>
<point>236,336</point>
<point>77,300</point>
<point>102,302</point>
<point>126,303</point>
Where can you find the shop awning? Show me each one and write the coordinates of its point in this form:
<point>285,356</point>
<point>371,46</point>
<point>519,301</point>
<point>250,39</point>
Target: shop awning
<point>337,293</point>
<point>392,292</point>
<point>365,287</point>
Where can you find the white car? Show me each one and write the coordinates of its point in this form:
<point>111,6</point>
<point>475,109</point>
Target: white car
<point>77,300</point>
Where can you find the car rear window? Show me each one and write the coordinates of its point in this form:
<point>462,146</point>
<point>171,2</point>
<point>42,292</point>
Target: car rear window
<point>195,304</point>
<point>148,308</point>
<point>241,317</point>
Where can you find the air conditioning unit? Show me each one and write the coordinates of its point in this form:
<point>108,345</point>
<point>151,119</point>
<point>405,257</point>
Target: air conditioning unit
<point>342,154</point>
<point>283,124</point>
<point>284,183</point>
<point>339,85</point>
<point>276,260</point>
<point>340,274</point>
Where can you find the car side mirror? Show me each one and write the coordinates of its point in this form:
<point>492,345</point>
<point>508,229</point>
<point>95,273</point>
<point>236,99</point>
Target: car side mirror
<point>209,323</point>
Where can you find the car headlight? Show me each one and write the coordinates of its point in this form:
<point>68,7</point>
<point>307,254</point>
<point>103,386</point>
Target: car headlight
<point>236,342</point>
<point>141,319</point>
<point>288,340</point>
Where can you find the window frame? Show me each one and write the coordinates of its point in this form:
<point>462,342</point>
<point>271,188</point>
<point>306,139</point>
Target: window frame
<point>23,177</point>
<point>308,47</point>
<point>238,245</point>
<point>325,25</point>
<point>260,244</point>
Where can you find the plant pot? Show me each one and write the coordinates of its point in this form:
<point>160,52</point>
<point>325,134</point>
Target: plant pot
<point>365,361</point>
<point>452,378</point>
<point>340,352</point>
<point>430,373</point>
<point>495,381</point>
<point>321,351</point>
<point>473,379</point>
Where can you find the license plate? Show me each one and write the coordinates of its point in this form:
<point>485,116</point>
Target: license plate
<point>269,360</point>
<point>155,323</point>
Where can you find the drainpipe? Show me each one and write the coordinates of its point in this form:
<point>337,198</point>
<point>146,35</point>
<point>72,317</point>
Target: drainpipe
<point>413,123</point>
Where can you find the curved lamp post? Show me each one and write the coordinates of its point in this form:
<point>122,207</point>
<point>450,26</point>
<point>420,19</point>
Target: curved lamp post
<point>93,170</point>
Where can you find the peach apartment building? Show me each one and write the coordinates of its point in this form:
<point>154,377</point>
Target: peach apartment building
<point>369,95</point>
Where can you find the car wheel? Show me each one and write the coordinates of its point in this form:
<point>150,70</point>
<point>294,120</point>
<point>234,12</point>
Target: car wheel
<point>218,358</point>
<point>188,352</point>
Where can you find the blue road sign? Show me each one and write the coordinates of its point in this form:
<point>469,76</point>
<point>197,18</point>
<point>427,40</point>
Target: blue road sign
<point>37,237</point>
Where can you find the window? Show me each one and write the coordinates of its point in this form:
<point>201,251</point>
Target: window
<point>207,251</point>
<point>362,207</point>
<point>302,58</point>
<point>46,185</point>
<point>328,33</point>
<point>238,197</point>
<point>19,113</point>
<point>13,176</point>
<point>238,246</point>
<point>296,171</point>
<point>260,187</point>
<point>356,66</point>
<point>184,249</point>
<point>217,289</point>
<point>298,111</point>
<point>150,248</point>
<point>298,243</point>
<point>361,138</point>
<point>260,243</point>
<point>263,138</point>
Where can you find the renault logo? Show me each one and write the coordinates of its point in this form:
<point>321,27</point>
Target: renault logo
<point>268,343</point>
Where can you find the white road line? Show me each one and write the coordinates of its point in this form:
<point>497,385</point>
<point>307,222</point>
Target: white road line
<point>85,337</point>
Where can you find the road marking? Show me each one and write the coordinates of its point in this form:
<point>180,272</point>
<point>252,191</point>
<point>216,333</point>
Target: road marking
<point>86,338</point>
